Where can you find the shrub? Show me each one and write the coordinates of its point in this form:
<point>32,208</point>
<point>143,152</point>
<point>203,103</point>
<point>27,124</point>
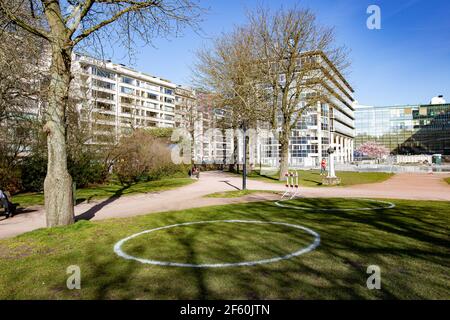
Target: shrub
<point>33,171</point>
<point>142,156</point>
<point>86,170</point>
<point>168,170</point>
<point>10,180</point>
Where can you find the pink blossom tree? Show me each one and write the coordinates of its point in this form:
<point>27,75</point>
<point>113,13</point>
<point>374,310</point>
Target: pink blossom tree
<point>373,149</point>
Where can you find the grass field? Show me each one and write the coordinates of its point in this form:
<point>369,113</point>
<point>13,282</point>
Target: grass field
<point>312,178</point>
<point>409,243</point>
<point>106,191</point>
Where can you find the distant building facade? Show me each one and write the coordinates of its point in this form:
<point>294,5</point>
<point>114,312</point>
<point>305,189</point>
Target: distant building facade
<point>329,122</point>
<point>406,129</point>
<point>116,99</point>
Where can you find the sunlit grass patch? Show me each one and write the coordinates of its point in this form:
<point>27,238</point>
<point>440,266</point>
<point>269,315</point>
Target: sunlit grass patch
<point>106,191</point>
<point>312,178</point>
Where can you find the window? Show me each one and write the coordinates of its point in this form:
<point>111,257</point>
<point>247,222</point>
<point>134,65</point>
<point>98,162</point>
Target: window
<point>127,80</point>
<point>102,73</point>
<point>126,90</point>
<point>102,95</point>
<point>104,84</point>
<point>126,100</point>
<point>105,106</point>
<point>168,91</point>
<point>126,110</point>
<point>152,96</point>
<point>151,114</point>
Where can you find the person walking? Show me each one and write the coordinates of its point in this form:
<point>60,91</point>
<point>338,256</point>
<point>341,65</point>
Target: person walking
<point>197,172</point>
<point>323,167</point>
<point>5,203</point>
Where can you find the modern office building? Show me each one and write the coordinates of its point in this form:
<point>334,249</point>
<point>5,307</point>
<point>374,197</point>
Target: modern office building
<point>406,129</point>
<point>330,121</point>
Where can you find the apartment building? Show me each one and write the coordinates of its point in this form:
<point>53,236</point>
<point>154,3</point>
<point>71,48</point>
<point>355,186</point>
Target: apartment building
<point>116,99</point>
<point>211,144</point>
<point>328,122</point>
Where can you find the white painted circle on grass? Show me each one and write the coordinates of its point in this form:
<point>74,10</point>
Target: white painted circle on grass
<point>390,205</point>
<point>118,246</point>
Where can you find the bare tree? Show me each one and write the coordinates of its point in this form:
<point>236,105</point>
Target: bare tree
<point>228,69</point>
<point>21,87</point>
<point>65,25</point>
<point>290,43</point>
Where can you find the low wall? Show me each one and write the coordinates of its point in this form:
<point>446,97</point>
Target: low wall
<point>413,158</point>
<point>393,168</point>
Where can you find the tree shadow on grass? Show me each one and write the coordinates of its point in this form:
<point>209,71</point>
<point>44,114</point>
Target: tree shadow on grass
<point>318,183</point>
<point>89,214</point>
<point>350,241</point>
<point>230,184</point>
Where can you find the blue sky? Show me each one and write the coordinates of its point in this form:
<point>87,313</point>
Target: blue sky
<point>406,62</point>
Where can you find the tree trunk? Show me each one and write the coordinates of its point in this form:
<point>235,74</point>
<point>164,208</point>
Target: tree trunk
<point>58,182</point>
<point>235,154</point>
<point>284,153</point>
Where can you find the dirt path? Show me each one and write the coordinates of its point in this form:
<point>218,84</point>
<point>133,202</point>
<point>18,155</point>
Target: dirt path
<point>401,186</point>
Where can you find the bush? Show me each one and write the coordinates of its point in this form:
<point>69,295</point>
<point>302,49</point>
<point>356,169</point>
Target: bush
<point>85,171</point>
<point>160,132</point>
<point>10,180</point>
<point>33,171</point>
<point>142,156</point>
<point>168,170</point>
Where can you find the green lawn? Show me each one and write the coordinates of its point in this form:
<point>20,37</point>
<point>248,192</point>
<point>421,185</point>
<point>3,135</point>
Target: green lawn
<point>312,178</point>
<point>106,191</point>
<point>409,243</point>
<point>237,193</point>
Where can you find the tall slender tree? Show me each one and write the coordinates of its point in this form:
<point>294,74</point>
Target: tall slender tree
<point>228,69</point>
<point>288,43</point>
<point>66,24</point>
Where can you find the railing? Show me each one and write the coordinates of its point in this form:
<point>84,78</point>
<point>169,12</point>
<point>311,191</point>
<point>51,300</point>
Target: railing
<point>338,115</point>
<point>392,168</point>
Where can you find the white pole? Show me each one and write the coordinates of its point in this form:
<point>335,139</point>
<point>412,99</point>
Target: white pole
<point>331,172</point>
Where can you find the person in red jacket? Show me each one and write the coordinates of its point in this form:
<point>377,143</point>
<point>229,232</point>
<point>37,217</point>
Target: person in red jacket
<point>323,167</point>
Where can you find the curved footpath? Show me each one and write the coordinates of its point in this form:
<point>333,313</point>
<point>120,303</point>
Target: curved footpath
<point>401,186</point>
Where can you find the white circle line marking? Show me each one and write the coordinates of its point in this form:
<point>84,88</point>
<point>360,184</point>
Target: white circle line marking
<point>118,246</point>
<point>390,206</point>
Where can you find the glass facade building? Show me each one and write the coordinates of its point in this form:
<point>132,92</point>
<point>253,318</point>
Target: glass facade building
<point>407,129</point>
